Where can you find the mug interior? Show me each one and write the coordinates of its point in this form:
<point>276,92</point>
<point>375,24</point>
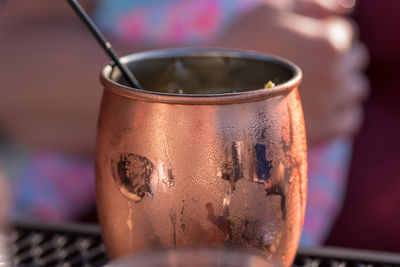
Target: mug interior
<point>205,71</point>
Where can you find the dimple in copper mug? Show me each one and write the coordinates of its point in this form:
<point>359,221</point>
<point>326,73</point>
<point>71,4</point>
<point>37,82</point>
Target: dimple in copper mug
<point>204,156</point>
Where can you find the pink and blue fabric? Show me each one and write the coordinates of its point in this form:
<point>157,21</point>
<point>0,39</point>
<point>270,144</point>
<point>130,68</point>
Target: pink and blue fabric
<point>168,22</point>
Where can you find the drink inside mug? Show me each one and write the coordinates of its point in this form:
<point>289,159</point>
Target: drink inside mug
<point>204,74</point>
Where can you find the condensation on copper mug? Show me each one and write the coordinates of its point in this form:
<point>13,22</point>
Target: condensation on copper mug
<point>177,174</point>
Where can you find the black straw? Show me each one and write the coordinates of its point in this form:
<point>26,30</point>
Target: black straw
<point>103,42</point>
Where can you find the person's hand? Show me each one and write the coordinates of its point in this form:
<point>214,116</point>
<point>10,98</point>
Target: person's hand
<point>329,54</point>
<point>314,8</point>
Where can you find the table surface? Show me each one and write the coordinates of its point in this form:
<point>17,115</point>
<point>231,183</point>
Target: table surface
<point>47,244</point>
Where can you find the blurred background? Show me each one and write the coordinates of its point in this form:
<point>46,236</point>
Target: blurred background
<point>349,53</point>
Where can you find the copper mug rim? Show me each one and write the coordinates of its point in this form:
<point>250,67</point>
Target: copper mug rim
<point>204,99</point>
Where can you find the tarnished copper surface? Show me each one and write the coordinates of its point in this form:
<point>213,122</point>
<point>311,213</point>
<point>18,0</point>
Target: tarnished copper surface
<point>204,167</point>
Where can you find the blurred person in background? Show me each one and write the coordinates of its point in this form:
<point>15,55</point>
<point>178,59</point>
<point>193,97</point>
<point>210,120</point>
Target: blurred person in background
<point>371,211</point>
<point>50,94</point>
<point>48,109</point>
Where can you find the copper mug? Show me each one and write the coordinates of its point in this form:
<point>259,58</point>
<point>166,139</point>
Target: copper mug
<point>205,156</point>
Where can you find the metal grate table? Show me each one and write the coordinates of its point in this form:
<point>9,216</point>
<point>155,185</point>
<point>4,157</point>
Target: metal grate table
<point>42,244</point>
